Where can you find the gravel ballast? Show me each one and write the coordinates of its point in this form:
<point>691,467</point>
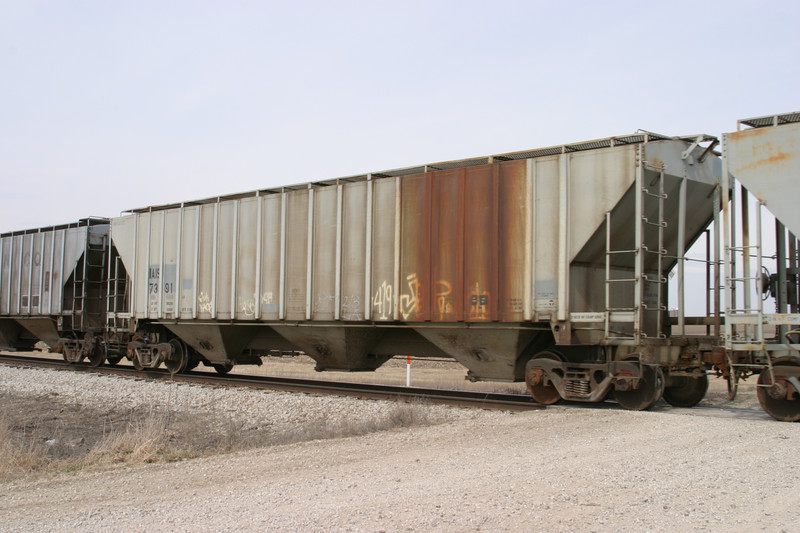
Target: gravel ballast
<point>279,411</point>
<point>560,469</point>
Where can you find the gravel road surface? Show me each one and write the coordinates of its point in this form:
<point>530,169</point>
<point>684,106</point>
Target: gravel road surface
<point>562,469</point>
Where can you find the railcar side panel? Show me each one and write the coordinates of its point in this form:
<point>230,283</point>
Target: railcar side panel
<point>480,257</point>
<point>226,249</point>
<point>385,281</point>
<point>34,268</point>
<point>165,282</point>
<point>354,293</point>
<point>598,180</point>
<point>186,282</point>
<point>323,272</point>
<point>138,264</point>
<point>246,270</point>
<point>447,247</point>
<point>414,248</point>
<point>58,270</point>
<point>294,294</point>
<point>545,236</point>
<point>271,256</point>
<point>513,265</point>
<point>206,286</point>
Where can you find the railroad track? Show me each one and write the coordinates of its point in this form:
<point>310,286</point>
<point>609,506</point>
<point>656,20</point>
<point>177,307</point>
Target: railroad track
<point>480,400</point>
<point>471,399</point>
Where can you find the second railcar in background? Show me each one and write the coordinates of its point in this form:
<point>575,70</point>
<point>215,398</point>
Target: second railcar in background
<point>53,285</point>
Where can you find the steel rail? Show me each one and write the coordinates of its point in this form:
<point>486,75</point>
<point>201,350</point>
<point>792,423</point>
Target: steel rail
<point>479,400</point>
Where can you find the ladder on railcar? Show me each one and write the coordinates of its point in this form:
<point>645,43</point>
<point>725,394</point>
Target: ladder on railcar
<point>744,315</point>
<point>647,288</point>
<point>118,316</point>
<point>87,288</point>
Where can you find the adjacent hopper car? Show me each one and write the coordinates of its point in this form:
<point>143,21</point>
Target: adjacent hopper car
<point>550,266</point>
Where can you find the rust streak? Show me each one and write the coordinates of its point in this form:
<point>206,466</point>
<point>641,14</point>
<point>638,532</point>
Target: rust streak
<point>755,132</point>
<point>778,158</point>
<point>434,262</point>
<point>461,249</point>
<point>494,273</point>
<point>426,247</point>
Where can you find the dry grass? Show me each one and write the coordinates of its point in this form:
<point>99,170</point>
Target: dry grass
<point>144,441</point>
<point>18,459</point>
<point>400,416</point>
<point>42,437</point>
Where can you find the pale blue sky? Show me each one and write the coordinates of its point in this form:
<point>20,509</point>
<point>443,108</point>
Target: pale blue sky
<point>109,105</point>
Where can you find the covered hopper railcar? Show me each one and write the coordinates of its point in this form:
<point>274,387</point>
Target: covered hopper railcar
<point>491,261</point>
<point>551,266</point>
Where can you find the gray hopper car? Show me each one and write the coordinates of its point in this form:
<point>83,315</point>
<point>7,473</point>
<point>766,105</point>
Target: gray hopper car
<point>53,283</point>
<point>550,266</point>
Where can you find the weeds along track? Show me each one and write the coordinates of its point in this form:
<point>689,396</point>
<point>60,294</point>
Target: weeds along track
<point>54,422</point>
<point>480,400</point>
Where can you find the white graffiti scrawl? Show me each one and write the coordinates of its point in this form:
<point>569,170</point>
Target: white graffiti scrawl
<point>382,302</point>
<point>204,303</point>
<point>411,303</point>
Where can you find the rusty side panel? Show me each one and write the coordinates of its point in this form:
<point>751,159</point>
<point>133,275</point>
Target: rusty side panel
<point>479,225</point>
<point>512,217</point>
<point>446,246</point>
<point>415,248</point>
<point>462,243</point>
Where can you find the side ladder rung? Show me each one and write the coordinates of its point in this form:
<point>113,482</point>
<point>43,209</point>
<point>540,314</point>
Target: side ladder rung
<point>656,224</point>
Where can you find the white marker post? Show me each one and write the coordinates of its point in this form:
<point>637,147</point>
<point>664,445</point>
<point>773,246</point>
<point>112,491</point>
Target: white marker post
<point>408,371</point>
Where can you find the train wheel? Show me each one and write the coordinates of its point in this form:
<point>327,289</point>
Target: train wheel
<point>651,387</point>
<point>780,399</point>
<point>687,392</point>
<point>544,394</point>
<point>733,378</point>
<point>135,361</point>
<point>179,359</point>
<point>223,368</point>
<point>97,356</point>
